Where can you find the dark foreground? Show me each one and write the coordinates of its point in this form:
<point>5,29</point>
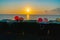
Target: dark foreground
<point>29,31</point>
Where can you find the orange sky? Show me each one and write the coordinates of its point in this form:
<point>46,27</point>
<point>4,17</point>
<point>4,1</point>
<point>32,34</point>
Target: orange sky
<point>22,11</point>
<point>18,6</point>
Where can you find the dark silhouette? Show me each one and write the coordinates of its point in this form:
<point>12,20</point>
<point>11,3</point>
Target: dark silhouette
<point>29,31</point>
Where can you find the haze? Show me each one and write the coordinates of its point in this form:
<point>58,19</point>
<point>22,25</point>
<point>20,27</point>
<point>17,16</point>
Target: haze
<point>37,6</point>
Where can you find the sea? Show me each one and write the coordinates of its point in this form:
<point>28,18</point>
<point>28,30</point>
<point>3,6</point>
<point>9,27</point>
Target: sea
<point>32,17</point>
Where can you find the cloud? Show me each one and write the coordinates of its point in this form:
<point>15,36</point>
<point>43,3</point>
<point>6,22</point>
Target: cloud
<point>54,11</point>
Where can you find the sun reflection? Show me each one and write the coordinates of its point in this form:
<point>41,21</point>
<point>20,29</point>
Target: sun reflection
<point>28,17</point>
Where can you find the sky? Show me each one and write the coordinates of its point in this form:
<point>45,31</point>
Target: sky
<point>18,6</point>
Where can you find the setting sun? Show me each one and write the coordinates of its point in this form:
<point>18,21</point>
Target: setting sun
<point>28,10</point>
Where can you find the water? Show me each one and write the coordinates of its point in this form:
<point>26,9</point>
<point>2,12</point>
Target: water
<point>32,17</point>
<point>10,16</point>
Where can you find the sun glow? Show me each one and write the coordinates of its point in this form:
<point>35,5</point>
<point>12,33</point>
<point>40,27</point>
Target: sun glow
<point>28,10</point>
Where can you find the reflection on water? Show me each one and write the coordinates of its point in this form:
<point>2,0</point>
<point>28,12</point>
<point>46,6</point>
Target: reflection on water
<point>32,17</point>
